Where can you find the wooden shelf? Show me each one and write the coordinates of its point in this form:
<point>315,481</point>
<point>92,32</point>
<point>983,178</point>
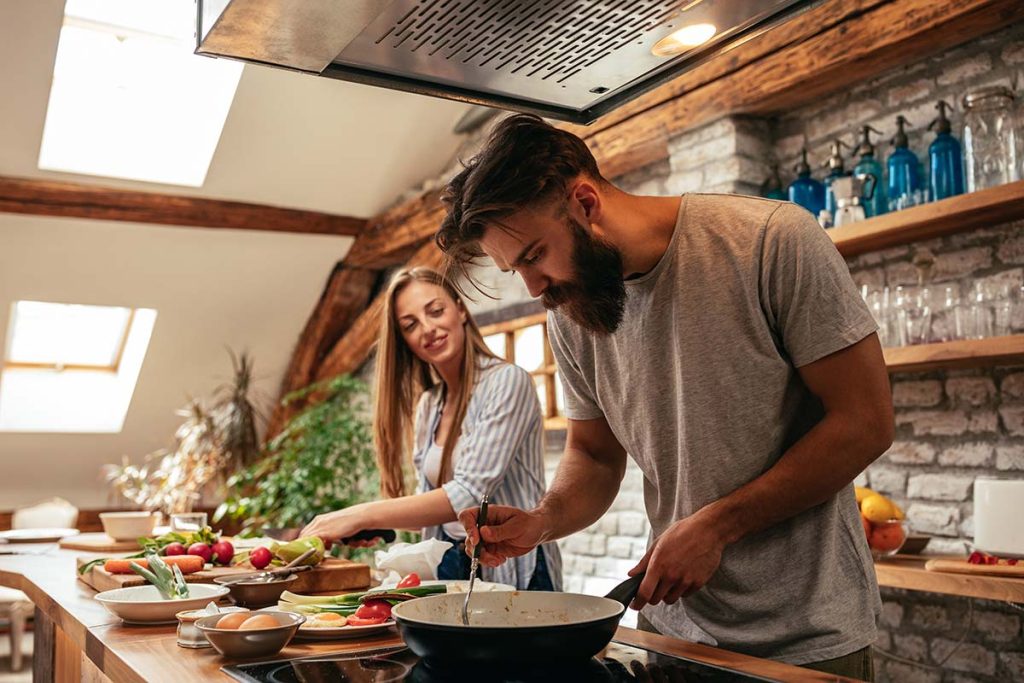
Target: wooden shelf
<point>908,572</point>
<point>964,353</point>
<point>956,214</point>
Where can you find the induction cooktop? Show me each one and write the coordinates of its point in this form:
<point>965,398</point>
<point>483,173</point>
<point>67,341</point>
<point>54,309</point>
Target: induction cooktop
<point>619,663</point>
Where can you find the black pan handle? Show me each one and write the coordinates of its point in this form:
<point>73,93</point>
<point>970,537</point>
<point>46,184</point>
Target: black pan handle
<point>386,535</point>
<point>627,590</point>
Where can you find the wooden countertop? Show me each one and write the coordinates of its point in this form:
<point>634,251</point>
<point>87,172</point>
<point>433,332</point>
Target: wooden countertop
<point>150,654</point>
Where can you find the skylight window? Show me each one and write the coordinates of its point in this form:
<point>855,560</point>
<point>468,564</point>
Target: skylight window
<point>129,99</point>
<point>71,368</point>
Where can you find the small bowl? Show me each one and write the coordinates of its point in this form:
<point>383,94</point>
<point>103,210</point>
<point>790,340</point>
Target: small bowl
<point>262,642</point>
<point>887,538</point>
<point>257,593</point>
<point>128,526</point>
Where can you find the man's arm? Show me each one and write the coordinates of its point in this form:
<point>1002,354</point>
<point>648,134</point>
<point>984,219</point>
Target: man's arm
<point>853,386</point>
<point>584,487</point>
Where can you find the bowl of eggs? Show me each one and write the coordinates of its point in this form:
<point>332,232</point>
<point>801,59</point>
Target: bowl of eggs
<point>244,635</point>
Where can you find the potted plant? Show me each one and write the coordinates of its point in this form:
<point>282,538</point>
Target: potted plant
<point>322,460</point>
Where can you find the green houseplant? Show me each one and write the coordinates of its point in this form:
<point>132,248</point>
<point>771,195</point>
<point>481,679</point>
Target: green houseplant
<point>321,461</point>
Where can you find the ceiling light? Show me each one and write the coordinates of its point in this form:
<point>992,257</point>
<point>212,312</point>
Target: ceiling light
<point>681,40</point>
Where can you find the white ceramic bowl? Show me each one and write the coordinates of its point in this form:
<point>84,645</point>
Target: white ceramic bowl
<point>127,526</point>
<point>144,605</point>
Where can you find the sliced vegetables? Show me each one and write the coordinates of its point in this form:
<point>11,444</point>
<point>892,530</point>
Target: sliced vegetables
<point>168,580</point>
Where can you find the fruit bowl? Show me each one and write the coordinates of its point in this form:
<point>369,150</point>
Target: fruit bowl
<point>886,538</point>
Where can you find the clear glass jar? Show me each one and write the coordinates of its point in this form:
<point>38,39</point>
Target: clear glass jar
<point>990,138</point>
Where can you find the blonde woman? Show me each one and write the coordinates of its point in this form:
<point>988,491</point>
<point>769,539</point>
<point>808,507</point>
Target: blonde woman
<point>472,421</point>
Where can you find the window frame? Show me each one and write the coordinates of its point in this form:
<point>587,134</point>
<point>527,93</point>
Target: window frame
<point>553,416</point>
<point>112,368</point>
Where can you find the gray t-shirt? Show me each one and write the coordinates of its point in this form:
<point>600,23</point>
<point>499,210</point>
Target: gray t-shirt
<point>699,385</point>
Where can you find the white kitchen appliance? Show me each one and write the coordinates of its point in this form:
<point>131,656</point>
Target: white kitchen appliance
<point>999,516</point>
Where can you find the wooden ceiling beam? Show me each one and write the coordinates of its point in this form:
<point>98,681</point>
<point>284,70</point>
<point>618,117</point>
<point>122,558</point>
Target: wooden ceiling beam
<point>75,200</point>
<point>391,238</point>
<point>354,347</point>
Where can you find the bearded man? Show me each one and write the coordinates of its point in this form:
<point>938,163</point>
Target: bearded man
<point>719,341</point>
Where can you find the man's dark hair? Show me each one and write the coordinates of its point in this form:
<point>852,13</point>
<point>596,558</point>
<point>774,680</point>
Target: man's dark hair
<point>525,162</point>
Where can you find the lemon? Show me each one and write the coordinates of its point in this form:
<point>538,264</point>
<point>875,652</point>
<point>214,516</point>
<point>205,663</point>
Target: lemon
<point>862,492</point>
<point>898,512</point>
<point>877,509</point>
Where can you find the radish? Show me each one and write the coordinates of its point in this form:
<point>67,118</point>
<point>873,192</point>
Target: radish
<point>202,550</point>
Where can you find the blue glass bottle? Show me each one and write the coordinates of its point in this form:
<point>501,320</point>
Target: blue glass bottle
<point>771,188</point>
<point>905,188</point>
<point>835,170</point>
<point>870,169</point>
<point>805,190</point>
<point>945,158</point>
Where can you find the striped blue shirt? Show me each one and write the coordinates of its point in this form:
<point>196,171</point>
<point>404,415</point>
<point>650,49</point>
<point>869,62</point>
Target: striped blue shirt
<point>499,452</point>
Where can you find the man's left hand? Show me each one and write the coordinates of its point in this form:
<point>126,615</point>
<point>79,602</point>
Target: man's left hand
<point>680,561</point>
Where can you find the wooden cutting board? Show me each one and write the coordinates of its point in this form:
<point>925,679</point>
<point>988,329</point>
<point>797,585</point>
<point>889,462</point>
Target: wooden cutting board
<point>958,566</point>
<point>98,543</point>
<point>331,575</point>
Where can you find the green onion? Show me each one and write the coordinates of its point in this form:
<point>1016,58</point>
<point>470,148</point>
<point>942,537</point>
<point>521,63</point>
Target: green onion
<point>170,584</point>
<point>354,599</point>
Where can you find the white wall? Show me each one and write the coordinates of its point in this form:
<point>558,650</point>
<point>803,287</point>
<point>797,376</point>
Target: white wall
<point>211,289</point>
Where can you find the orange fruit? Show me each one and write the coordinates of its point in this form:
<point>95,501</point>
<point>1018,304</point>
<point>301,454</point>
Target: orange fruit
<point>867,526</point>
<point>887,537</point>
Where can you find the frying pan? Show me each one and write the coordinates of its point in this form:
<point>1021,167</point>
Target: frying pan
<point>520,626</point>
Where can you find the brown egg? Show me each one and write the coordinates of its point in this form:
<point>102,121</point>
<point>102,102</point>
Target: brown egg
<point>258,621</point>
<point>232,620</point>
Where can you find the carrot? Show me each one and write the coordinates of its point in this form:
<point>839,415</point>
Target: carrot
<point>188,564</point>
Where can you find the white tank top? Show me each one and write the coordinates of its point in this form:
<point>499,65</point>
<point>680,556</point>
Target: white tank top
<point>432,470</point>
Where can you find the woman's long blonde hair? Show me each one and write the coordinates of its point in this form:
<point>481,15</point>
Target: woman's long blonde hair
<point>402,377</point>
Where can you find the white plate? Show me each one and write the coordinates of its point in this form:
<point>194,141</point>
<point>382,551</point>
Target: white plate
<point>48,535</point>
<point>144,605</point>
<point>310,633</point>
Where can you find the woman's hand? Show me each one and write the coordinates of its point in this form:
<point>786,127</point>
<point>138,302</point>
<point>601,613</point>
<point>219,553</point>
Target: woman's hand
<point>509,532</point>
<point>334,526</point>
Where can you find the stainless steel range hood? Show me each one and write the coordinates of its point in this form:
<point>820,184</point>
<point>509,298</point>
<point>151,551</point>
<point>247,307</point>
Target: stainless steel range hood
<point>572,60</point>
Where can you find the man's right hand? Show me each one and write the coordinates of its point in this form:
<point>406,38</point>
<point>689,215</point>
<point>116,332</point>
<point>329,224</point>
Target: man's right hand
<point>510,532</point>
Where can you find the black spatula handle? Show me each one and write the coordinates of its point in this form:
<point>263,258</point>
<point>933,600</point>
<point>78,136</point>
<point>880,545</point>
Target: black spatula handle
<point>627,590</point>
<point>386,535</point>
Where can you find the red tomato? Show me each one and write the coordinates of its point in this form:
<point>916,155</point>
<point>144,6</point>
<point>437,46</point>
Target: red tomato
<point>410,581</point>
<point>374,609</point>
<point>359,621</point>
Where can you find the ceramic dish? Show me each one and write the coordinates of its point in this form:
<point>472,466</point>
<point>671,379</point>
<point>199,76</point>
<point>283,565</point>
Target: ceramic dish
<point>318,633</point>
<point>144,604</point>
<point>48,535</point>
<point>128,526</point>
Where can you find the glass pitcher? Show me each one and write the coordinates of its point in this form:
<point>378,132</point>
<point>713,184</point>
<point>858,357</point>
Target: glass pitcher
<point>990,138</point>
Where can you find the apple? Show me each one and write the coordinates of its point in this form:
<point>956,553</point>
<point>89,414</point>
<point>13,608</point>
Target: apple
<point>172,549</point>
<point>260,557</point>
<point>202,550</point>
<point>223,552</point>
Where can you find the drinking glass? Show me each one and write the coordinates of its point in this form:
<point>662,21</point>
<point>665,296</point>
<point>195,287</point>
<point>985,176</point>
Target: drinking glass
<point>947,314</point>
<point>917,316</point>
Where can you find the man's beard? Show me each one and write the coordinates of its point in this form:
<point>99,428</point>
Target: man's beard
<point>596,296</point>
